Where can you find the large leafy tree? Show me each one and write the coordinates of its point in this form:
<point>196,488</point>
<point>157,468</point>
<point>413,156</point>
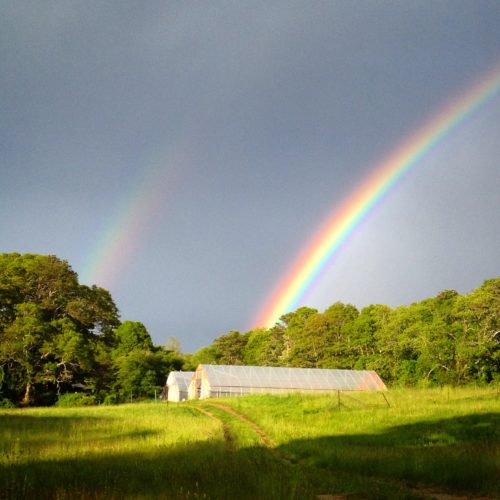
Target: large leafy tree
<point>264,347</point>
<point>141,373</point>
<point>139,368</point>
<point>320,339</point>
<point>310,342</point>
<point>20,349</point>
<point>131,335</point>
<point>362,332</point>
<point>229,348</point>
<point>50,326</point>
<point>294,323</point>
<point>205,356</point>
<point>478,347</point>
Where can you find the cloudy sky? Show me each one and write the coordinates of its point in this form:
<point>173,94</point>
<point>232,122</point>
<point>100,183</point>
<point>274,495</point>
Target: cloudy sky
<point>182,154</point>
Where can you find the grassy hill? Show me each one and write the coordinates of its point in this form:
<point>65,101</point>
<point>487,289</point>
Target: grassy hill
<point>426,444</point>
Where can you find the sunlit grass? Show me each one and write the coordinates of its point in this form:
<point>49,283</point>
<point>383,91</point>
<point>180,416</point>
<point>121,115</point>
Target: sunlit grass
<point>434,439</point>
<point>447,438</point>
<point>134,451</point>
<point>106,451</point>
<point>53,433</point>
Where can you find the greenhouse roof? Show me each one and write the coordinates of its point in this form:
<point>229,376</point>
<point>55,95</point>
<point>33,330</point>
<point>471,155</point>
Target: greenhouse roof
<point>316,379</point>
<point>182,378</point>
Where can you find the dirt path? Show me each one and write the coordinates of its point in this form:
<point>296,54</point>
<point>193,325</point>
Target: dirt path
<point>228,437</point>
<point>263,436</point>
<point>424,492</point>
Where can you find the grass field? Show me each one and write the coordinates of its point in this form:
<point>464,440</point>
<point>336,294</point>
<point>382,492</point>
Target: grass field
<point>427,444</point>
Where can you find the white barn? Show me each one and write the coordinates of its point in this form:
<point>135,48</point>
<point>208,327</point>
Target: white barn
<point>176,388</point>
<point>214,381</point>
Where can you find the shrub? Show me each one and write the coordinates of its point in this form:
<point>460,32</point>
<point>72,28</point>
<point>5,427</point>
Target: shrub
<point>75,399</point>
<point>110,399</point>
<point>6,403</point>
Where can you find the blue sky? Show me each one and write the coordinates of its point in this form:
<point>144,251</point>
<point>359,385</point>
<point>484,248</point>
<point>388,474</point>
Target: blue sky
<point>259,118</point>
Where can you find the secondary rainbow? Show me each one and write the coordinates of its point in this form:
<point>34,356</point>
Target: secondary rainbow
<point>385,175</point>
<point>125,230</point>
<point>133,220</point>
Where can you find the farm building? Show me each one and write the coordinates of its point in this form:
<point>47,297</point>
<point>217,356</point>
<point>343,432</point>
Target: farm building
<point>176,388</point>
<point>213,381</point>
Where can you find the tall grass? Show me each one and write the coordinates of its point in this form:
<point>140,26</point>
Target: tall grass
<point>427,440</point>
<point>132,451</point>
<point>445,439</point>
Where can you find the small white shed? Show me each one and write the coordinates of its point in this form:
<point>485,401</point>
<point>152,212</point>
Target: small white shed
<point>176,388</point>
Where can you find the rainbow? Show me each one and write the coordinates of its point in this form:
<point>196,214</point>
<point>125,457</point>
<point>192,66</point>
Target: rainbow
<point>124,231</point>
<point>122,234</point>
<point>385,175</point>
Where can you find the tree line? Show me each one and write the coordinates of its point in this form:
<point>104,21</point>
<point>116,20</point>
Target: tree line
<point>58,336</point>
<point>447,339</point>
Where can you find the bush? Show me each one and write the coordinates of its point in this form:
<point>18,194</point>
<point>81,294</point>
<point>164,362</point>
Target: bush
<point>110,399</point>
<point>6,403</point>
<point>75,399</point>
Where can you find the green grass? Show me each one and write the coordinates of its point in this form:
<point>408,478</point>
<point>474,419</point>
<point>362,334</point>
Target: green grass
<point>133,451</point>
<point>433,439</point>
<point>427,441</point>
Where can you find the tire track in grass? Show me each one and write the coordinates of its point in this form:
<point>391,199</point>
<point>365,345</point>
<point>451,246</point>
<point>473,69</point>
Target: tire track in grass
<point>266,440</point>
<point>424,492</point>
<point>268,448</point>
<point>226,431</point>
<point>268,443</point>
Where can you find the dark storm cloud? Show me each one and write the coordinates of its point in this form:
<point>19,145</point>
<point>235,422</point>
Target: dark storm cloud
<point>266,114</point>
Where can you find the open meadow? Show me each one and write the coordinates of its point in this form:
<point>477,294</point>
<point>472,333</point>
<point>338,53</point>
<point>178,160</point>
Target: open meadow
<point>427,444</point>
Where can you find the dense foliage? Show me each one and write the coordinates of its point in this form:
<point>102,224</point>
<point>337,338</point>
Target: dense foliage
<point>448,339</point>
<point>58,336</point>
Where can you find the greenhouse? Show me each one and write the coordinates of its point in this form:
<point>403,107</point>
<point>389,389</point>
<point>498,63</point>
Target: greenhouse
<point>215,381</point>
<point>176,388</point>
